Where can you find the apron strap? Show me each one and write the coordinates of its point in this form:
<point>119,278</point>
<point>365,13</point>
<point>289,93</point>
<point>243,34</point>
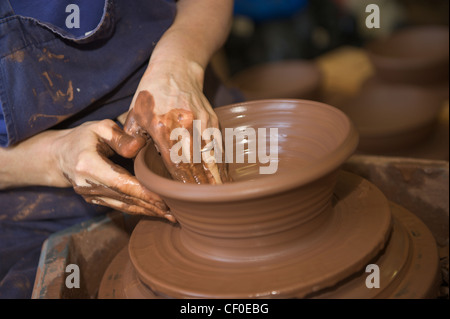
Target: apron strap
<point>5,9</point>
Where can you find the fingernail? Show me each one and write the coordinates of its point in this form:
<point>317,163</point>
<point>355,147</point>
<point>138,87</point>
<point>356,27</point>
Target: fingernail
<point>170,218</point>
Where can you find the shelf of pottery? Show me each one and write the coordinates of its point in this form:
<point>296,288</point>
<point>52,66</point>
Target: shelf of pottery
<point>396,92</point>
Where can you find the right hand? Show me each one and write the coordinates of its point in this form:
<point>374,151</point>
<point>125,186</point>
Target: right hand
<point>170,96</point>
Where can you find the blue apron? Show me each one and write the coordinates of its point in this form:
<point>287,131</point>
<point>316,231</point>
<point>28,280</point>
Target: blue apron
<point>51,79</point>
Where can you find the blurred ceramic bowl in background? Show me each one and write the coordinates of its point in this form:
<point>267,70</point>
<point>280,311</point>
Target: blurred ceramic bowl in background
<point>291,79</point>
<point>394,117</point>
<point>415,55</point>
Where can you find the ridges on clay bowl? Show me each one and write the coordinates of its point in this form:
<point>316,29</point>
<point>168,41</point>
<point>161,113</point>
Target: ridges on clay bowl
<point>257,216</point>
<point>416,55</point>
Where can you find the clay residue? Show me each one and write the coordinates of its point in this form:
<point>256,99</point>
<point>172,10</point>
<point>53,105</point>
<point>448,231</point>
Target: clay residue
<point>55,83</point>
<point>119,198</point>
<point>17,56</point>
<point>143,121</point>
<point>98,192</point>
<point>418,185</point>
<point>47,77</point>
<point>57,95</point>
<point>69,92</point>
<point>57,118</point>
<point>28,209</point>
<point>47,56</point>
<point>124,144</point>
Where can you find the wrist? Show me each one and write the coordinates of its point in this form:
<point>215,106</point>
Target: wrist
<point>178,68</point>
<point>31,163</point>
<point>56,147</point>
<point>181,43</point>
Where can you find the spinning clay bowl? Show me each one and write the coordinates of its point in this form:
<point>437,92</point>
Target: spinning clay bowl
<point>261,221</point>
<point>260,216</point>
<point>308,230</point>
<point>416,55</point>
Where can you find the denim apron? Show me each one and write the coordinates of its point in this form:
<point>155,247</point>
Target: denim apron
<point>50,79</point>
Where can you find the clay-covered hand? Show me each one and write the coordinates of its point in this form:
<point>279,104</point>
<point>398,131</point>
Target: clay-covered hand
<point>82,156</point>
<point>170,96</point>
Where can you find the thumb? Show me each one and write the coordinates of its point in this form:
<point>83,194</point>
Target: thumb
<point>123,144</point>
<point>138,119</point>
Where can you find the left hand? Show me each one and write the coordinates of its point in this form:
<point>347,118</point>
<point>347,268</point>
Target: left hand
<point>80,156</point>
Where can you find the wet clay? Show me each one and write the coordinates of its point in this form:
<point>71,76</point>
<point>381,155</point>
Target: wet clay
<point>123,191</point>
<point>310,256</point>
<point>142,121</point>
<point>124,144</point>
<point>308,225</point>
<point>415,55</point>
<point>314,139</point>
<point>259,218</point>
<point>409,264</point>
<point>407,256</point>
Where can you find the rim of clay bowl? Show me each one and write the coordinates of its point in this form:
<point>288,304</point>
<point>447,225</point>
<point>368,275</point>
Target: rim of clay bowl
<point>376,52</point>
<point>268,185</point>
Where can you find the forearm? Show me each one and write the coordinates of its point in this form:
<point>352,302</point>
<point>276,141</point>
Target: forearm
<point>78,158</point>
<point>170,94</point>
<point>30,163</point>
<point>199,30</point>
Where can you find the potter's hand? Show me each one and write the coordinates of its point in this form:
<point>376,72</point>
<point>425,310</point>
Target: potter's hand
<point>170,96</point>
<point>170,93</point>
<point>82,156</point>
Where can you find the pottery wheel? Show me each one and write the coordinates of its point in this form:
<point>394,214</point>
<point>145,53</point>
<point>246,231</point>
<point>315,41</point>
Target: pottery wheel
<point>356,235</point>
<point>409,265</point>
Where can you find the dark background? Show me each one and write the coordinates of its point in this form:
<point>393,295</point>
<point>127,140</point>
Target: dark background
<point>274,30</point>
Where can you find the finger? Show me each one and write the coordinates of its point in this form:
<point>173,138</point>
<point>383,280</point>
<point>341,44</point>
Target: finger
<point>209,160</point>
<point>223,171</point>
<point>126,145</point>
<point>201,174</point>
<point>123,144</point>
<point>123,117</point>
<point>215,145</point>
<point>129,209</point>
<point>121,180</point>
<point>133,128</point>
<point>101,171</point>
<point>101,190</point>
<point>200,171</point>
<point>180,172</point>
<point>214,170</point>
<point>139,117</point>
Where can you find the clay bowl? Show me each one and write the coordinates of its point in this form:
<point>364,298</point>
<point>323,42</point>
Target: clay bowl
<point>416,55</point>
<point>293,79</point>
<point>260,216</point>
<point>394,117</point>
